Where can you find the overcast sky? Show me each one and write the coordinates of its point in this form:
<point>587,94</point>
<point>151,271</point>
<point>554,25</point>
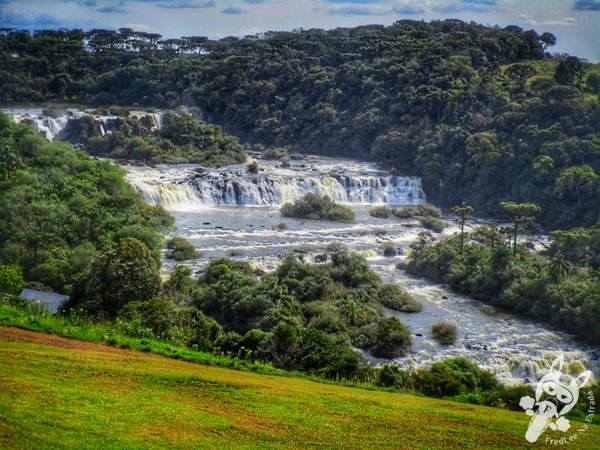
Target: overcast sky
<point>576,23</point>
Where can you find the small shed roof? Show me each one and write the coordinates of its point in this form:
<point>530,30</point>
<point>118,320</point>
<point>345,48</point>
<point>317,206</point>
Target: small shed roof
<point>52,300</point>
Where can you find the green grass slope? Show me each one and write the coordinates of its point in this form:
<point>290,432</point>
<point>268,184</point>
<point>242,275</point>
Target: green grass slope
<point>64,393</point>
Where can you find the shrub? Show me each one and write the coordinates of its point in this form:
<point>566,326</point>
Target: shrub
<point>285,161</point>
<point>437,384</point>
<point>253,167</point>
<point>428,210</point>
<point>432,223</point>
<point>391,376</point>
<point>392,339</point>
<point>181,249</point>
<point>425,210</point>
<point>11,280</point>
<point>391,296</point>
<point>281,226</point>
<point>466,373</point>
<point>382,212</point>
<point>275,153</point>
<point>389,249</point>
<point>314,207</point>
<point>444,333</point>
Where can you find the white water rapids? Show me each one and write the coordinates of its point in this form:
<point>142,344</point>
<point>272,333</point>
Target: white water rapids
<point>183,188</point>
<point>207,210</point>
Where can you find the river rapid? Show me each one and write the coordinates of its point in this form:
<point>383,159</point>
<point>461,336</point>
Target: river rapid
<point>231,213</point>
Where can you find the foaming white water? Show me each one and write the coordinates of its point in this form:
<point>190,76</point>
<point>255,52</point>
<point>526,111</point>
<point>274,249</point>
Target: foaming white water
<point>155,118</point>
<point>48,127</point>
<point>185,188</point>
<point>515,349</point>
<point>51,128</point>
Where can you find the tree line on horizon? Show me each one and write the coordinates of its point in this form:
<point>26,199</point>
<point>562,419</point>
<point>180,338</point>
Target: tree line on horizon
<point>483,114</point>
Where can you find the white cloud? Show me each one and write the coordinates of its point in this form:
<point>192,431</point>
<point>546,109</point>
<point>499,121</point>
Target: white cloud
<point>564,22</point>
<point>139,27</point>
<point>249,31</point>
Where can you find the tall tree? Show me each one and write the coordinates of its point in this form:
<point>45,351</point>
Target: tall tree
<point>120,275</point>
<point>464,212</point>
<point>520,213</point>
<point>569,71</point>
<point>578,180</point>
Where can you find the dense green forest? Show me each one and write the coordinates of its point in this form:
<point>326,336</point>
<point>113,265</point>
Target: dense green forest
<point>560,285</point>
<point>181,139</point>
<point>59,208</point>
<point>72,224</point>
<point>483,114</point>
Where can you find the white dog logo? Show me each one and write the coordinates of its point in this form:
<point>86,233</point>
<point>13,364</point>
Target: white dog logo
<point>556,394</point>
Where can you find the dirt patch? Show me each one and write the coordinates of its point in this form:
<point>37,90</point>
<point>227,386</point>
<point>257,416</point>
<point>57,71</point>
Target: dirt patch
<point>17,334</point>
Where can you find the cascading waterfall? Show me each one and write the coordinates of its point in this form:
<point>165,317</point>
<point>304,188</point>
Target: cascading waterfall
<point>269,191</point>
<point>155,118</point>
<point>515,349</point>
<point>48,127</point>
<point>184,188</point>
<point>51,128</point>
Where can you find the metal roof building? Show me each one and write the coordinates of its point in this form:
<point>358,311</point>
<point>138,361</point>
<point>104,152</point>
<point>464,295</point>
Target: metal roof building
<point>52,300</point>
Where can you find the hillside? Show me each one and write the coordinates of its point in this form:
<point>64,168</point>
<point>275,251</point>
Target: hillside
<point>59,392</point>
<point>482,114</point>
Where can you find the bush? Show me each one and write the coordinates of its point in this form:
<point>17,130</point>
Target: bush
<point>432,223</point>
<point>253,167</point>
<point>285,161</point>
<point>392,339</point>
<point>11,280</point>
<point>391,376</point>
<point>391,296</point>
<point>467,373</point>
<point>121,275</point>
<point>389,249</point>
<point>382,212</point>
<point>437,384</point>
<point>444,333</point>
<point>425,210</point>
<point>181,249</point>
<point>314,207</point>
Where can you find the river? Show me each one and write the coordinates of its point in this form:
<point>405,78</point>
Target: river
<point>229,212</point>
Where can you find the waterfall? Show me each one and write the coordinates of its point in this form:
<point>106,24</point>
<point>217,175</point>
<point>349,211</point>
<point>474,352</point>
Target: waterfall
<point>51,128</point>
<point>183,188</point>
<point>273,190</point>
<point>48,127</point>
<point>155,118</point>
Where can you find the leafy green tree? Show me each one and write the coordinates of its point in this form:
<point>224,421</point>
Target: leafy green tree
<point>180,284</point>
<point>392,339</point>
<point>120,275</point>
<point>593,82</point>
<point>10,162</point>
<point>548,39</point>
<point>578,180</point>
<point>559,266</point>
<point>520,213</point>
<point>181,249</point>
<point>569,71</point>
<point>11,279</point>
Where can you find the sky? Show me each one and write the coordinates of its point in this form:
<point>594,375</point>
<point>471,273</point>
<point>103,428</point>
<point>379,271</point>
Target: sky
<point>575,23</point>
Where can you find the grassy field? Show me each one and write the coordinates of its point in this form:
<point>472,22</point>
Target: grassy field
<point>65,393</point>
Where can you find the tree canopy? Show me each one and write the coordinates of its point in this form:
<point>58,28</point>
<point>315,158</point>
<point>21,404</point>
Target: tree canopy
<point>483,114</point>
